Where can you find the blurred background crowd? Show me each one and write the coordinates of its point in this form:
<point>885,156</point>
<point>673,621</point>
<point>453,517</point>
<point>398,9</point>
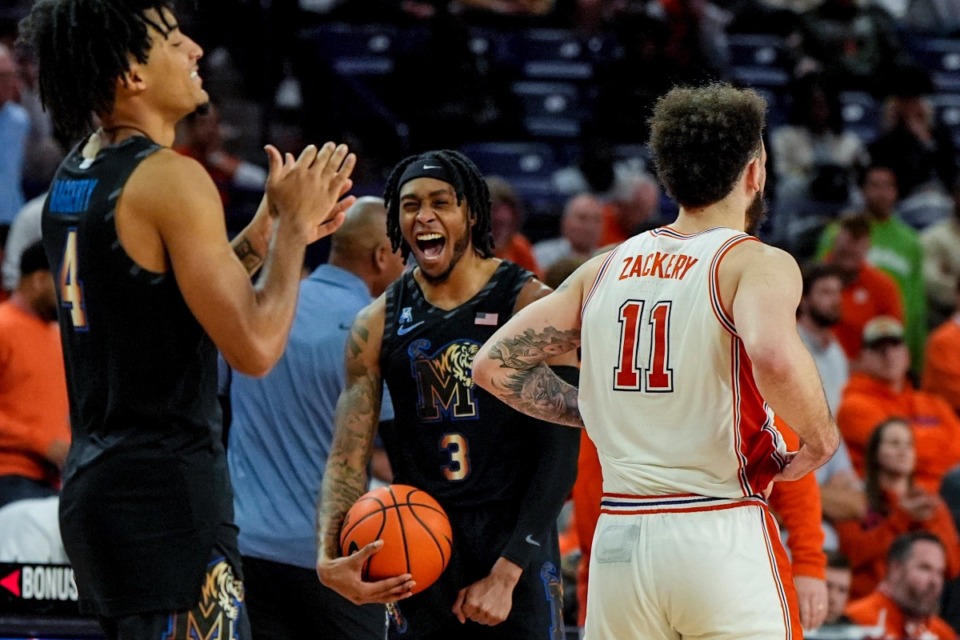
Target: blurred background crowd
<point>550,99</point>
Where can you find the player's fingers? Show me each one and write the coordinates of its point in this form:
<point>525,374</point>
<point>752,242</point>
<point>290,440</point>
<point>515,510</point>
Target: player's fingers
<point>346,203</point>
<point>322,156</point>
<point>329,227</point>
<point>274,160</point>
<point>346,164</point>
<point>458,606</point>
<point>360,556</point>
<point>345,187</point>
<point>386,591</point>
<point>309,154</point>
<point>332,162</point>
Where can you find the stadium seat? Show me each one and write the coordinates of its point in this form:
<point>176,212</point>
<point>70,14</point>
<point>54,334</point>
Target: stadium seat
<point>551,54</point>
<point>551,109</point>
<point>861,114</point>
<point>941,56</point>
<point>525,159</point>
<point>759,60</point>
<point>355,50</point>
<point>772,78</point>
<point>946,107</point>
<point>757,50</point>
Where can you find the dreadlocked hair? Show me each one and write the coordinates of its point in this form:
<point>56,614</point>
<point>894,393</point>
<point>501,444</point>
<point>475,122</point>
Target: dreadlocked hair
<point>82,47</point>
<point>472,187</point>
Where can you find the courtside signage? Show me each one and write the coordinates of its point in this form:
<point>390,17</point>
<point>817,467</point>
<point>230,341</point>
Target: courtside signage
<point>37,588</point>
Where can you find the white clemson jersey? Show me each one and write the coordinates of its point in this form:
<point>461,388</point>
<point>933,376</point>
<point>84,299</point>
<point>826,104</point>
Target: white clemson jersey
<point>666,388</point>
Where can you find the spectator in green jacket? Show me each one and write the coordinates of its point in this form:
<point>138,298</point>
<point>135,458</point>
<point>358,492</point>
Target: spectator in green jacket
<point>896,249</point>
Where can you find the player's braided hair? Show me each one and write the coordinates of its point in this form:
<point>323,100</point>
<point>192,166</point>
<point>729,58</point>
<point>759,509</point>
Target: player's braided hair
<point>82,48</point>
<point>472,187</point>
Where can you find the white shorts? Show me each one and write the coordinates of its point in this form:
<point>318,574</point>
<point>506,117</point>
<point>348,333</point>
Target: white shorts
<point>672,567</point>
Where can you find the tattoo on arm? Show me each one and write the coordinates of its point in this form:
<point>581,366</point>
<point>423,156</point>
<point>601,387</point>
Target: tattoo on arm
<point>248,255</point>
<point>530,348</point>
<point>530,386</point>
<point>357,415</point>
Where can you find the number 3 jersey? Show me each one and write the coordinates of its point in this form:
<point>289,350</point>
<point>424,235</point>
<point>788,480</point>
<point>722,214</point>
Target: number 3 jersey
<point>449,437</point>
<point>666,388</point>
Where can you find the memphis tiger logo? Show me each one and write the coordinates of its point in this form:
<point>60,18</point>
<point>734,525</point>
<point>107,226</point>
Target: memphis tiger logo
<point>217,615</point>
<point>444,379</point>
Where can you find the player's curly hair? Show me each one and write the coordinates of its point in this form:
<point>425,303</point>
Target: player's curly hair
<point>82,47</point>
<point>472,187</point>
<point>702,137</point>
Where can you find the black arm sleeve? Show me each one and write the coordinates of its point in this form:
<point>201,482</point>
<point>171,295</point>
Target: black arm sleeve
<point>550,484</point>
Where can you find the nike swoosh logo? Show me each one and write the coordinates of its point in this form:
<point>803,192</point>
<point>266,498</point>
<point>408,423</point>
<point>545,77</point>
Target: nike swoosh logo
<point>529,539</point>
<point>402,331</point>
<point>432,166</point>
<point>345,326</point>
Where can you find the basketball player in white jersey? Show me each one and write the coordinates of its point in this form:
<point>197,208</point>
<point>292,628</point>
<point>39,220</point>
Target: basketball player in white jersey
<point>689,344</point>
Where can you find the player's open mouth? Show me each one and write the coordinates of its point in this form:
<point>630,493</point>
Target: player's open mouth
<point>430,244</point>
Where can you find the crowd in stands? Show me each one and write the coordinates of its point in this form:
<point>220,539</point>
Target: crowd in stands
<point>550,99</point>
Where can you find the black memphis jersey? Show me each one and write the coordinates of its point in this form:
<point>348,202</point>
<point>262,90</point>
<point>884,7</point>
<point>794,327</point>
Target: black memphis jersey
<point>139,366</point>
<point>449,437</point>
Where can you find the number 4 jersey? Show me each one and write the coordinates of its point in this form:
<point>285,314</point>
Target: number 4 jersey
<point>145,490</point>
<point>666,388</point>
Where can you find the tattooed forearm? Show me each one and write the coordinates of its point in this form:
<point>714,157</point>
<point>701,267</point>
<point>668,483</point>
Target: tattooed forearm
<point>540,393</point>
<point>249,256</point>
<point>345,476</point>
<point>359,334</point>
<point>356,417</point>
<point>530,348</point>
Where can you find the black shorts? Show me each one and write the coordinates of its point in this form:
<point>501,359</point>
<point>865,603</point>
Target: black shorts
<point>479,536</point>
<point>220,613</point>
<point>289,603</point>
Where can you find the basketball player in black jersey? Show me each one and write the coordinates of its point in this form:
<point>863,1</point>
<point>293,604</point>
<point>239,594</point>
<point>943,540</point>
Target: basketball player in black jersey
<point>501,482</point>
<point>149,287</point>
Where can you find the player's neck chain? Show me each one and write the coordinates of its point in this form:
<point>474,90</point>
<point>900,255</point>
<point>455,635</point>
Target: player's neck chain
<point>109,134</point>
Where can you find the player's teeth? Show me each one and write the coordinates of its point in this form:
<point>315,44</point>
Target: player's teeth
<point>429,236</point>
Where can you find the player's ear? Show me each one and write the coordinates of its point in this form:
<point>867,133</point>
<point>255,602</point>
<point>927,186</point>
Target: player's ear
<point>753,175</point>
<point>133,80</point>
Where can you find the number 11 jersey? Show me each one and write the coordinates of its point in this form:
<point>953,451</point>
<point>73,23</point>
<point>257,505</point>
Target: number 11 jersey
<point>666,387</point>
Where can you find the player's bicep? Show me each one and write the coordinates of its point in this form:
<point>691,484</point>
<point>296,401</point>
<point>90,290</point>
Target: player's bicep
<point>546,328</point>
<point>188,214</point>
<point>766,300</point>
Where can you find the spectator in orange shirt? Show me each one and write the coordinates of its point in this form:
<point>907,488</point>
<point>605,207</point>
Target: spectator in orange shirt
<point>880,389</point>
<point>941,366</point>
<point>506,212</point>
<point>34,413</point>
<point>633,206</point>
<point>867,291</point>
<point>896,506</point>
<point>905,604</point>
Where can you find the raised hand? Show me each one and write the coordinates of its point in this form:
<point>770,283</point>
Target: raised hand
<point>309,189</point>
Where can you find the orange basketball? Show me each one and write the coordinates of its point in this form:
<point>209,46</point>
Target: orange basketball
<point>413,526</point>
